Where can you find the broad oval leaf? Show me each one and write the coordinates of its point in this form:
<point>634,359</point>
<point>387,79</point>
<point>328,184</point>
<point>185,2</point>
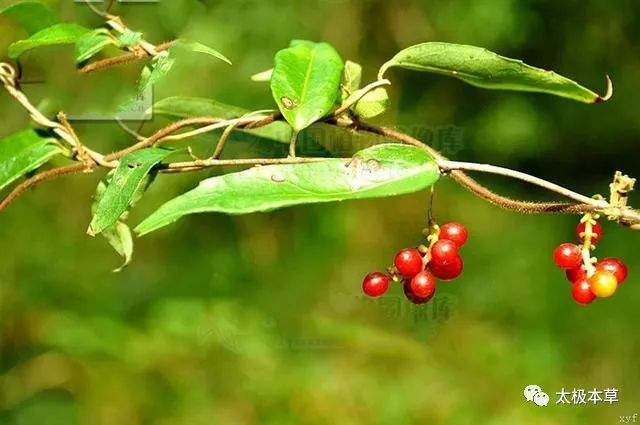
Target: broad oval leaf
<point>380,171</point>
<point>306,82</point>
<point>23,152</point>
<point>56,34</point>
<point>92,43</point>
<point>33,16</point>
<point>483,68</point>
<point>124,186</point>
<point>351,79</point>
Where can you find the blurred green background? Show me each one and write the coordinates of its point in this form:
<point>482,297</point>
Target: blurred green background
<point>259,319</point>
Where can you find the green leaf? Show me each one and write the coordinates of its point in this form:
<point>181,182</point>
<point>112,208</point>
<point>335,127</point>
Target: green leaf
<point>194,46</point>
<point>56,34</point>
<point>124,186</point>
<point>31,15</point>
<point>191,107</point>
<point>337,140</point>
<point>129,38</point>
<point>24,152</point>
<point>120,238</point>
<point>482,68</point>
<point>160,66</point>
<point>151,74</point>
<point>263,76</point>
<point>372,104</point>
<point>92,43</point>
<point>118,234</point>
<point>351,79</point>
<point>380,171</point>
<point>306,82</point>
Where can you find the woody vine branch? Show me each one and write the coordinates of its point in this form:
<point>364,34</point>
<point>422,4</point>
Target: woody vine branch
<point>89,160</point>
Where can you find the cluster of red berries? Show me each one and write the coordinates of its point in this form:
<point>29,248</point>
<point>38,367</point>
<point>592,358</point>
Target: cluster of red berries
<point>590,278</point>
<point>418,268</point>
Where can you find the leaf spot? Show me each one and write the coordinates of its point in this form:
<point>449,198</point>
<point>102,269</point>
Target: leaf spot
<point>373,165</point>
<point>134,165</point>
<point>288,103</point>
<point>278,178</point>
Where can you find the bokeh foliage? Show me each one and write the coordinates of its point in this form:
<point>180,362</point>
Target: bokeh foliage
<point>259,319</point>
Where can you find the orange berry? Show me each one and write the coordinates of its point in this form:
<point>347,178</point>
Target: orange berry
<point>603,283</point>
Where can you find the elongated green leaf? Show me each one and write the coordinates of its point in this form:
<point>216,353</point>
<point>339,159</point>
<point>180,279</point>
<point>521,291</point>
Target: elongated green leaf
<point>92,43</point>
<point>191,107</point>
<point>23,152</point>
<point>153,73</point>
<point>33,16</point>
<point>160,66</point>
<point>194,46</point>
<point>118,235</point>
<point>380,171</point>
<point>120,238</point>
<point>124,186</point>
<point>306,82</point>
<point>56,34</point>
<point>316,140</point>
<point>482,68</point>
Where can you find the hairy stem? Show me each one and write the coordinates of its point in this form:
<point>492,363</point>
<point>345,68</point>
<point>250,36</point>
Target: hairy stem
<point>448,166</point>
<point>39,178</point>
<point>206,163</point>
<point>123,59</point>
<point>617,212</point>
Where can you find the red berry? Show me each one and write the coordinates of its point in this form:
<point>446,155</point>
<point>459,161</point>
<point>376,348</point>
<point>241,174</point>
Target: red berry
<point>454,232</point>
<point>596,231</point>
<point>567,256</point>
<point>409,262</point>
<point>423,285</point>
<point>413,297</point>
<point>615,266</point>
<point>447,271</point>
<point>376,284</point>
<point>582,292</point>
<point>576,275</point>
<point>444,251</point>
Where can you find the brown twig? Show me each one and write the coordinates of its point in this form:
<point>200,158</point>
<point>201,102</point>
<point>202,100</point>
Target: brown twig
<point>222,141</point>
<point>39,178</point>
<point>147,142</point>
<point>472,185</point>
<point>206,163</point>
<point>123,59</point>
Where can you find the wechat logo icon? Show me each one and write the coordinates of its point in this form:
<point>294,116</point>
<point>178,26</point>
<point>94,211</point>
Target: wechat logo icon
<point>534,393</point>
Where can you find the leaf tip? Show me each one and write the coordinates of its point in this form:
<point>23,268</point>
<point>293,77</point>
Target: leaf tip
<point>608,95</point>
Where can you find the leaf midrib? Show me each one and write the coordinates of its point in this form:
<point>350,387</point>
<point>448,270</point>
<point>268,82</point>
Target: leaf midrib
<point>307,78</point>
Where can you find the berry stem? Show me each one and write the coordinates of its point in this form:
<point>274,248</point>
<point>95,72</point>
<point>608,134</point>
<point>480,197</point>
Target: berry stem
<point>589,221</point>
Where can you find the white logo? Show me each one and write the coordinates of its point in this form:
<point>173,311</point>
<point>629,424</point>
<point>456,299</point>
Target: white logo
<point>534,393</point>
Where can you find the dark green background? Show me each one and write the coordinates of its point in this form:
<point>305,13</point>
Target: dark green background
<point>259,319</point>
